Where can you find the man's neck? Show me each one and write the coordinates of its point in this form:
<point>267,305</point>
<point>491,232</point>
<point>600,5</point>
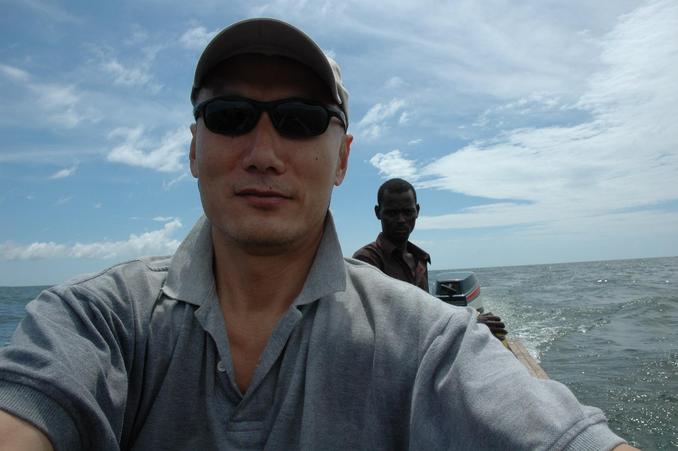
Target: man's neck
<point>401,246</point>
<point>254,292</point>
<point>258,284</point>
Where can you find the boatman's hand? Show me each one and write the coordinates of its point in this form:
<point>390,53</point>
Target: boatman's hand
<point>495,324</point>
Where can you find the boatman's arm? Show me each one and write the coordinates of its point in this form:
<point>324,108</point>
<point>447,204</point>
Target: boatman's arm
<point>497,327</point>
<point>19,435</point>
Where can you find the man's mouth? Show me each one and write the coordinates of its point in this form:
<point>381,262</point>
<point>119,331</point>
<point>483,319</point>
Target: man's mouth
<point>256,192</point>
<point>262,197</point>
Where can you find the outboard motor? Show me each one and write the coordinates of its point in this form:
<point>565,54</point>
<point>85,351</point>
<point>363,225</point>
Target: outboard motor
<point>459,288</point>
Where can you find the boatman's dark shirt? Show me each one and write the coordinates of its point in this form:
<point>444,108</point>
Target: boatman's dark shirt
<point>384,255</point>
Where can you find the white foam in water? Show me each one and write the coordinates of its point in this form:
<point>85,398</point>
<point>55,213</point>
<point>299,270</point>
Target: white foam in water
<point>608,330</point>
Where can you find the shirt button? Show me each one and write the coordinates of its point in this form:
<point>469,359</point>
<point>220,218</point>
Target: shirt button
<point>221,366</point>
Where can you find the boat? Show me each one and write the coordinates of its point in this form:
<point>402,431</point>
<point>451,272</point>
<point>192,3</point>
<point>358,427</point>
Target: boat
<point>462,288</point>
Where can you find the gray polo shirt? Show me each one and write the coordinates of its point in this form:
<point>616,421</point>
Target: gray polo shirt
<point>137,357</point>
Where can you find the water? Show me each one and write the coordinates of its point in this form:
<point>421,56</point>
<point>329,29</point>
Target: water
<point>608,330</point>
<point>12,303</point>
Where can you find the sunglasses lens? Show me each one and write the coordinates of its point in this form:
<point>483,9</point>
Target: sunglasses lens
<point>238,116</point>
<point>300,120</point>
<point>230,117</point>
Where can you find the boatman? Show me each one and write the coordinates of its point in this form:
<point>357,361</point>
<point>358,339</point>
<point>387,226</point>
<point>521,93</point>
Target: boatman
<point>394,253</point>
<point>256,333</point>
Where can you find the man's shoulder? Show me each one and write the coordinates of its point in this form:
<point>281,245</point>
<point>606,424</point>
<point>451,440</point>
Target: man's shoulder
<point>370,247</point>
<point>126,281</point>
<point>139,267</point>
<point>398,309</point>
<point>419,252</point>
<point>375,287</point>
<point>370,253</point>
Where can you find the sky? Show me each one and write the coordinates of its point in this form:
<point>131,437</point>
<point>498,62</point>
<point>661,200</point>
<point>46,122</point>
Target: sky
<point>534,131</point>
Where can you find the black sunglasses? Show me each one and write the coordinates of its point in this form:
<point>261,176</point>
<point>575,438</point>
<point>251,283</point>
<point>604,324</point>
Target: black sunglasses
<point>294,118</point>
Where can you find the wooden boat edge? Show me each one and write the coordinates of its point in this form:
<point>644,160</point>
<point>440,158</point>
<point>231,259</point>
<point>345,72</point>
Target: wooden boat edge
<point>520,351</point>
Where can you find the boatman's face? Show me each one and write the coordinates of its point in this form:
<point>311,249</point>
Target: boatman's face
<point>398,214</point>
<point>262,191</point>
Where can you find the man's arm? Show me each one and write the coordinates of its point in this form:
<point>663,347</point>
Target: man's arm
<point>17,434</point>
<point>467,382</point>
<point>65,369</point>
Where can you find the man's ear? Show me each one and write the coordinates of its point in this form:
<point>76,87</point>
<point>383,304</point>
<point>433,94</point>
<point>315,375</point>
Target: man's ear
<point>376,212</point>
<point>342,165</point>
<point>417,209</point>
<point>191,152</point>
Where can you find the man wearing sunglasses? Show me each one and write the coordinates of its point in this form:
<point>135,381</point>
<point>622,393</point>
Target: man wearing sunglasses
<point>257,334</point>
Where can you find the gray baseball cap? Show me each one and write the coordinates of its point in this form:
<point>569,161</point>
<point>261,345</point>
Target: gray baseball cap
<point>271,37</point>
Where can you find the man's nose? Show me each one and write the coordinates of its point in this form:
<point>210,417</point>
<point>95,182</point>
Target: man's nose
<point>264,153</point>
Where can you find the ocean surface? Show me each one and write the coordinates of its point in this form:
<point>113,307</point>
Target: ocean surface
<point>608,330</point>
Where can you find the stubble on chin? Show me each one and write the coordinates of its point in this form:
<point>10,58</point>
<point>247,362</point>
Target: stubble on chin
<point>260,240</point>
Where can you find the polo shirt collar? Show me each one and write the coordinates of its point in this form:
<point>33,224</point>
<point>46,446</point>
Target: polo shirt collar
<point>328,273</point>
<point>190,276</point>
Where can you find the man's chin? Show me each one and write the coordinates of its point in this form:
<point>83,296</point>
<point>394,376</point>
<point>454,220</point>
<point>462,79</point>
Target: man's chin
<point>263,241</point>
<point>263,234</point>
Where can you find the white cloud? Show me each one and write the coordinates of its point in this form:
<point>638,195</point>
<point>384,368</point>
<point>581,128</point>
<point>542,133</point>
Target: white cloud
<point>148,243</point>
<point>394,164</point>
<point>498,214</point>
<point>63,173</point>
<point>624,158</point>
<point>165,154</point>
<point>461,58</point>
<point>168,185</point>
<point>404,118</point>
<point>527,108</point>
<point>298,11</point>
<point>64,200</point>
<point>51,10</point>
<point>33,251</point>
<point>197,38</point>
<point>414,142</point>
<point>380,112</point>
<point>134,70</point>
<point>14,73</point>
<point>137,36</point>
<point>60,104</point>
<point>373,124</point>
<point>394,82</point>
<point>126,76</point>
